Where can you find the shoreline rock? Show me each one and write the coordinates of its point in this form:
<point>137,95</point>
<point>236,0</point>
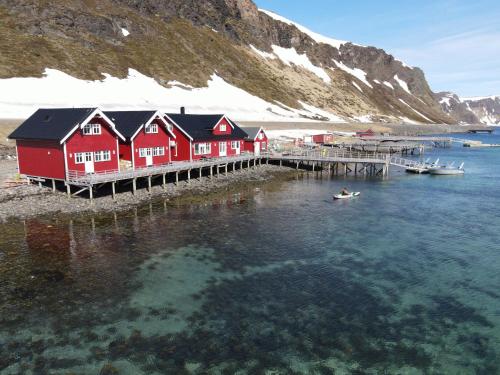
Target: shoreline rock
<point>30,200</point>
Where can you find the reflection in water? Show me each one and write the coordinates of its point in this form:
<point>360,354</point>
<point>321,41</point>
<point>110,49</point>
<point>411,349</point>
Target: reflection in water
<point>274,280</point>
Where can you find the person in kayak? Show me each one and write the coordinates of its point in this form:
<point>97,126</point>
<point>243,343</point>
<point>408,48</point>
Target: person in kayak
<point>345,192</point>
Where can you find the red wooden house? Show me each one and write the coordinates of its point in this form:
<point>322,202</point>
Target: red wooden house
<point>55,142</point>
<point>257,141</point>
<point>205,136</point>
<point>149,139</point>
<point>322,138</point>
<point>366,133</point>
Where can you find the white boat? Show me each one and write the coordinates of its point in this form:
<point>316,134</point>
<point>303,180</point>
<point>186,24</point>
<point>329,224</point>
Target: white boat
<point>447,170</point>
<point>348,196</point>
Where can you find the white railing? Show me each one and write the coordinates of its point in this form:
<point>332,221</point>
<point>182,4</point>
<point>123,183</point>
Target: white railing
<point>326,154</point>
<point>114,174</point>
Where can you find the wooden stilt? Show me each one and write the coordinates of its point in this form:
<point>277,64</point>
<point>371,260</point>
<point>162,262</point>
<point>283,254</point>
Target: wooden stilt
<point>68,190</point>
<point>176,178</point>
<point>91,193</point>
<point>189,176</point>
<point>113,191</point>
<point>225,168</point>
<point>211,172</point>
<point>134,185</point>
<point>200,173</point>
<point>53,185</point>
<point>164,182</point>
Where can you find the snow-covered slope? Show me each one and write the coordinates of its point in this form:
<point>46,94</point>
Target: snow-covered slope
<point>474,110</point>
<point>20,97</point>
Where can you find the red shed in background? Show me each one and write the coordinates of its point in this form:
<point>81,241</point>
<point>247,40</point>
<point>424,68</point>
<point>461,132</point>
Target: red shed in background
<point>205,136</point>
<point>322,138</point>
<point>53,143</point>
<point>366,133</point>
<point>149,138</point>
<point>257,140</point>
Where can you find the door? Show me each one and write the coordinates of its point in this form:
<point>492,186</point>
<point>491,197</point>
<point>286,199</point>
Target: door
<point>256,148</point>
<point>89,162</point>
<point>222,148</point>
<point>149,157</point>
<point>237,147</point>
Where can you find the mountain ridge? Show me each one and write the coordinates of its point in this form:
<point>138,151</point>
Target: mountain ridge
<point>190,41</point>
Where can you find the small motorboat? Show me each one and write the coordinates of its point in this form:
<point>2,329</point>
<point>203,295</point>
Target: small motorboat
<point>346,196</point>
<point>447,170</point>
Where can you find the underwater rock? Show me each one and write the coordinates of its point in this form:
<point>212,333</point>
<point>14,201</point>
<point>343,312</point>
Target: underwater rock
<point>108,369</point>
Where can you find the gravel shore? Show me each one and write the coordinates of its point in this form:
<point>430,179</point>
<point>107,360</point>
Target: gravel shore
<point>30,200</point>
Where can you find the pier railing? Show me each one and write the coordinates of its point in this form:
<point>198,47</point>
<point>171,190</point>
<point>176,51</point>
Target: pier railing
<point>329,154</point>
<point>84,178</point>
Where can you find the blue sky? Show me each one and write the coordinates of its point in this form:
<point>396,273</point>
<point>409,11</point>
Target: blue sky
<point>455,42</point>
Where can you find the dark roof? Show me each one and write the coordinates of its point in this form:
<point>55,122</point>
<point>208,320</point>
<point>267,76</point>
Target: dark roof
<point>199,127</point>
<point>51,124</point>
<point>128,122</point>
<point>252,132</point>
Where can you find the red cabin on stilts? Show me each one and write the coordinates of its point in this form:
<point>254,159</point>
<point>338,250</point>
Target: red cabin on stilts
<point>205,136</point>
<point>149,138</point>
<point>257,141</point>
<point>56,143</point>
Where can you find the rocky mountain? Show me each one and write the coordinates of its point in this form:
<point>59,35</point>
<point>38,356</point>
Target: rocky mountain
<point>250,60</point>
<point>482,110</point>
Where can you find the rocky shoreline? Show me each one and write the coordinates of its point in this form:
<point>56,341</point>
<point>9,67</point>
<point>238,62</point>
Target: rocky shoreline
<point>31,200</point>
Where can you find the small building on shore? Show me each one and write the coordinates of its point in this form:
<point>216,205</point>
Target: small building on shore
<point>149,138</point>
<point>257,140</point>
<point>55,143</point>
<point>322,139</point>
<point>366,133</point>
<point>205,136</point>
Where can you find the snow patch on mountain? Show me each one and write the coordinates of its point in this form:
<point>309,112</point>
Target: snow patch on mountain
<point>125,32</point>
<point>417,112</point>
<point>20,97</point>
<point>291,56</point>
<point>358,73</point>
<point>479,98</point>
<point>315,36</point>
<point>403,84</point>
<point>357,86</point>
<point>388,84</point>
<point>263,54</point>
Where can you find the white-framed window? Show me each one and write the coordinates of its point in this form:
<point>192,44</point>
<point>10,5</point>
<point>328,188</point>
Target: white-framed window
<point>235,145</point>
<point>146,151</point>
<point>222,127</point>
<point>88,156</point>
<point>263,145</point>
<point>151,128</point>
<point>91,129</point>
<point>261,136</point>
<point>159,151</point>
<point>102,155</point>
<point>79,158</point>
<point>202,148</point>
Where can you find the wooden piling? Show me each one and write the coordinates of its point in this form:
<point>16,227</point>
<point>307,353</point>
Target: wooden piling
<point>113,190</point>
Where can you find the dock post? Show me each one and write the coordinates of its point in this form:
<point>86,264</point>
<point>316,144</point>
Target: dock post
<point>200,173</point>
<point>53,185</point>
<point>134,185</point>
<point>189,176</point>
<point>211,172</point>
<point>260,161</point>
<point>234,166</point>
<point>113,190</point>
<point>68,190</point>
<point>218,166</point>
<point>281,162</point>
<point>164,182</point>
<point>225,168</point>
<point>267,161</point>
<point>176,178</point>
<point>314,165</point>
<point>345,169</point>
<point>149,184</point>
<point>91,193</point>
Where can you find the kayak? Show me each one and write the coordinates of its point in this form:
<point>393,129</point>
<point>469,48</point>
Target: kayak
<point>341,196</point>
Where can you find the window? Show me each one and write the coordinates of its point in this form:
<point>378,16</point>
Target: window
<point>147,151</point>
<point>261,135</point>
<point>102,156</point>
<point>202,148</point>
<point>222,127</point>
<point>91,129</point>
<point>159,151</point>
<point>88,156</point>
<point>235,145</point>
<point>151,128</point>
<point>263,145</point>
<point>79,158</point>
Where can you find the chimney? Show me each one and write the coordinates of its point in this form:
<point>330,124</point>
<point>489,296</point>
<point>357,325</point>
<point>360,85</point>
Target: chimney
<point>183,110</point>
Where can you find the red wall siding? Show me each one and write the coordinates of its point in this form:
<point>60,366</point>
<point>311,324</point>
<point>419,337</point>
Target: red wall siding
<point>217,130</point>
<point>322,138</point>
<point>181,152</point>
<point>160,139</point>
<point>125,151</point>
<point>41,158</point>
<point>91,143</point>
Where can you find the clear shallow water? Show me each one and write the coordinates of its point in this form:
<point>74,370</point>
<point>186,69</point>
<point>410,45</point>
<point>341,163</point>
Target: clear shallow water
<point>403,280</point>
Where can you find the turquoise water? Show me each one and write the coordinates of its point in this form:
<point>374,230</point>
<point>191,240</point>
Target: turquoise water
<point>277,280</point>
